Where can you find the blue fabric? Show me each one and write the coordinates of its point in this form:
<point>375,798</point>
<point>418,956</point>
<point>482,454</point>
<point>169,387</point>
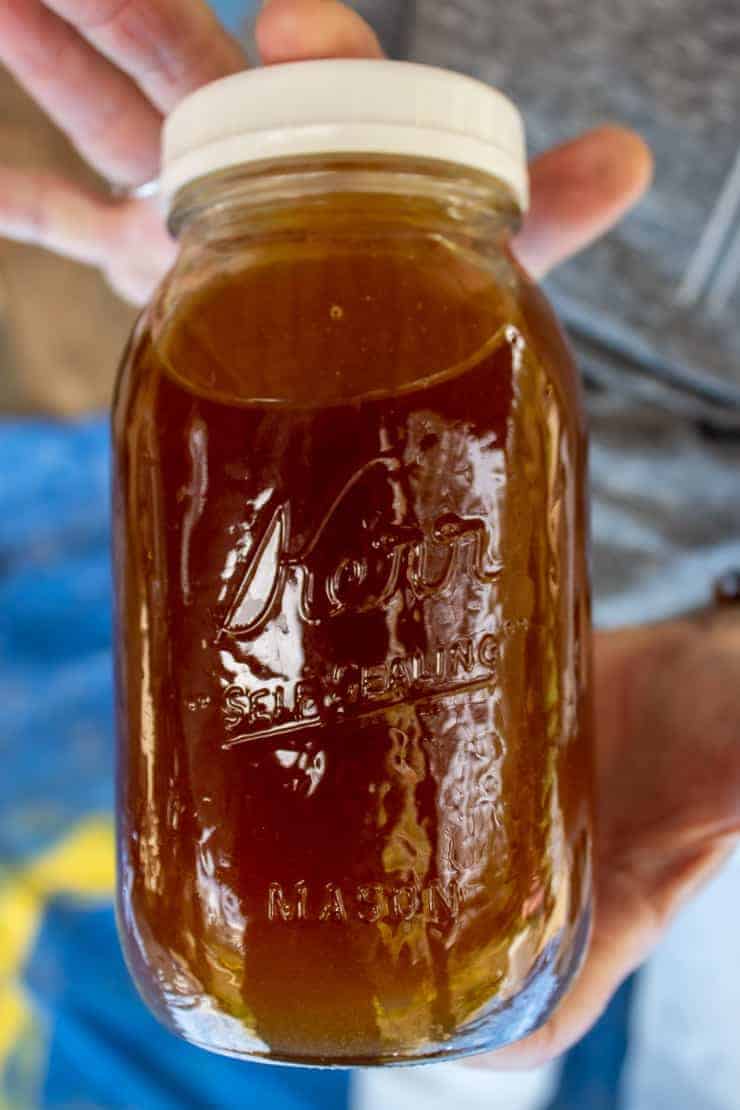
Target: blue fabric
<point>107,1049</point>
<point>234,13</point>
<point>592,1074</point>
<point>55,633</point>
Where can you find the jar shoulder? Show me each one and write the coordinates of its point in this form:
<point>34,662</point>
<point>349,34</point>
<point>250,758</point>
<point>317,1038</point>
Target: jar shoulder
<point>324,324</point>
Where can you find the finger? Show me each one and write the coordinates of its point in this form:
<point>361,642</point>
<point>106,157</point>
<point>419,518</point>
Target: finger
<point>579,191</point>
<point>169,47</point>
<point>107,118</point>
<point>626,931</point>
<point>630,922</point>
<point>295,30</point>
<point>614,953</point>
<point>48,212</point>
<point>134,270</point>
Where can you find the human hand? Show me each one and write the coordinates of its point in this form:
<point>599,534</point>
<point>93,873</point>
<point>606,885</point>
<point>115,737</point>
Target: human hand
<point>107,71</point>
<point>668,790</point>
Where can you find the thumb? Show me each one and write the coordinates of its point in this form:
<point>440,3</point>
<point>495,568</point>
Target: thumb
<point>579,191</point>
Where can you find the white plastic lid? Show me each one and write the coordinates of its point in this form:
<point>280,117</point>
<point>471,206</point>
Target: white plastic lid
<point>341,107</point>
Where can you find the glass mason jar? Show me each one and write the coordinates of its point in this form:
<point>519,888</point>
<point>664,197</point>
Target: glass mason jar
<point>352,593</point>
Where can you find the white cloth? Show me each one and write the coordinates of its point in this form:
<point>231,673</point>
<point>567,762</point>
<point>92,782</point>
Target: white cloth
<point>453,1087</point>
<point>685,1033</point>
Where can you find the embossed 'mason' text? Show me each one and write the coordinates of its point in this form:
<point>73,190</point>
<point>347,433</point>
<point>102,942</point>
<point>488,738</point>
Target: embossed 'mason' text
<point>436,903</point>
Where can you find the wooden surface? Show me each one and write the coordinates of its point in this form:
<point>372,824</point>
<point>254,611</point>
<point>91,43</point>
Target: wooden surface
<point>61,329</point>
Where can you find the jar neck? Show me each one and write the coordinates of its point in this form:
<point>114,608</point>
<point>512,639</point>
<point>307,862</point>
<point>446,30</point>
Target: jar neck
<point>339,196</point>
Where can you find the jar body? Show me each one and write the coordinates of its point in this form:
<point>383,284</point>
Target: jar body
<point>353,658</point>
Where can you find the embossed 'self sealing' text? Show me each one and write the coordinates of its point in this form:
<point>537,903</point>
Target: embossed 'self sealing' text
<point>348,691</point>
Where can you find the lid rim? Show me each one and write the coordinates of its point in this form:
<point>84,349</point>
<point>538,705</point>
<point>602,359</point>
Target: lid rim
<point>269,145</point>
<point>345,106</point>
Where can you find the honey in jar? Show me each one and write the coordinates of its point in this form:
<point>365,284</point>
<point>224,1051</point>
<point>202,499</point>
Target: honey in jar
<point>352,596</point>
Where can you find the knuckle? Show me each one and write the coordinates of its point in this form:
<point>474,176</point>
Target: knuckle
<point>96,15</point>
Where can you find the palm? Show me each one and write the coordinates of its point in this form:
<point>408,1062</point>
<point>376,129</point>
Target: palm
<point>668,767</point>
<point>668,775</point>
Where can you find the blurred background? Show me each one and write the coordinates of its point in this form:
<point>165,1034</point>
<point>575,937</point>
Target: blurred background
<point>653,312</point>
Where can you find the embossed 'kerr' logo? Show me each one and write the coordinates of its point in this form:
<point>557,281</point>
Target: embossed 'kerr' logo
<point>389,557</point>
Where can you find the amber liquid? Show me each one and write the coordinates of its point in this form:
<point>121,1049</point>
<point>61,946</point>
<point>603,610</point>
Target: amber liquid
<point>353,668</point>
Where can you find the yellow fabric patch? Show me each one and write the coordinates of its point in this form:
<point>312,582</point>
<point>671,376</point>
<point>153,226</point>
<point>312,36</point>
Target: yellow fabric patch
<point>81,865</point>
